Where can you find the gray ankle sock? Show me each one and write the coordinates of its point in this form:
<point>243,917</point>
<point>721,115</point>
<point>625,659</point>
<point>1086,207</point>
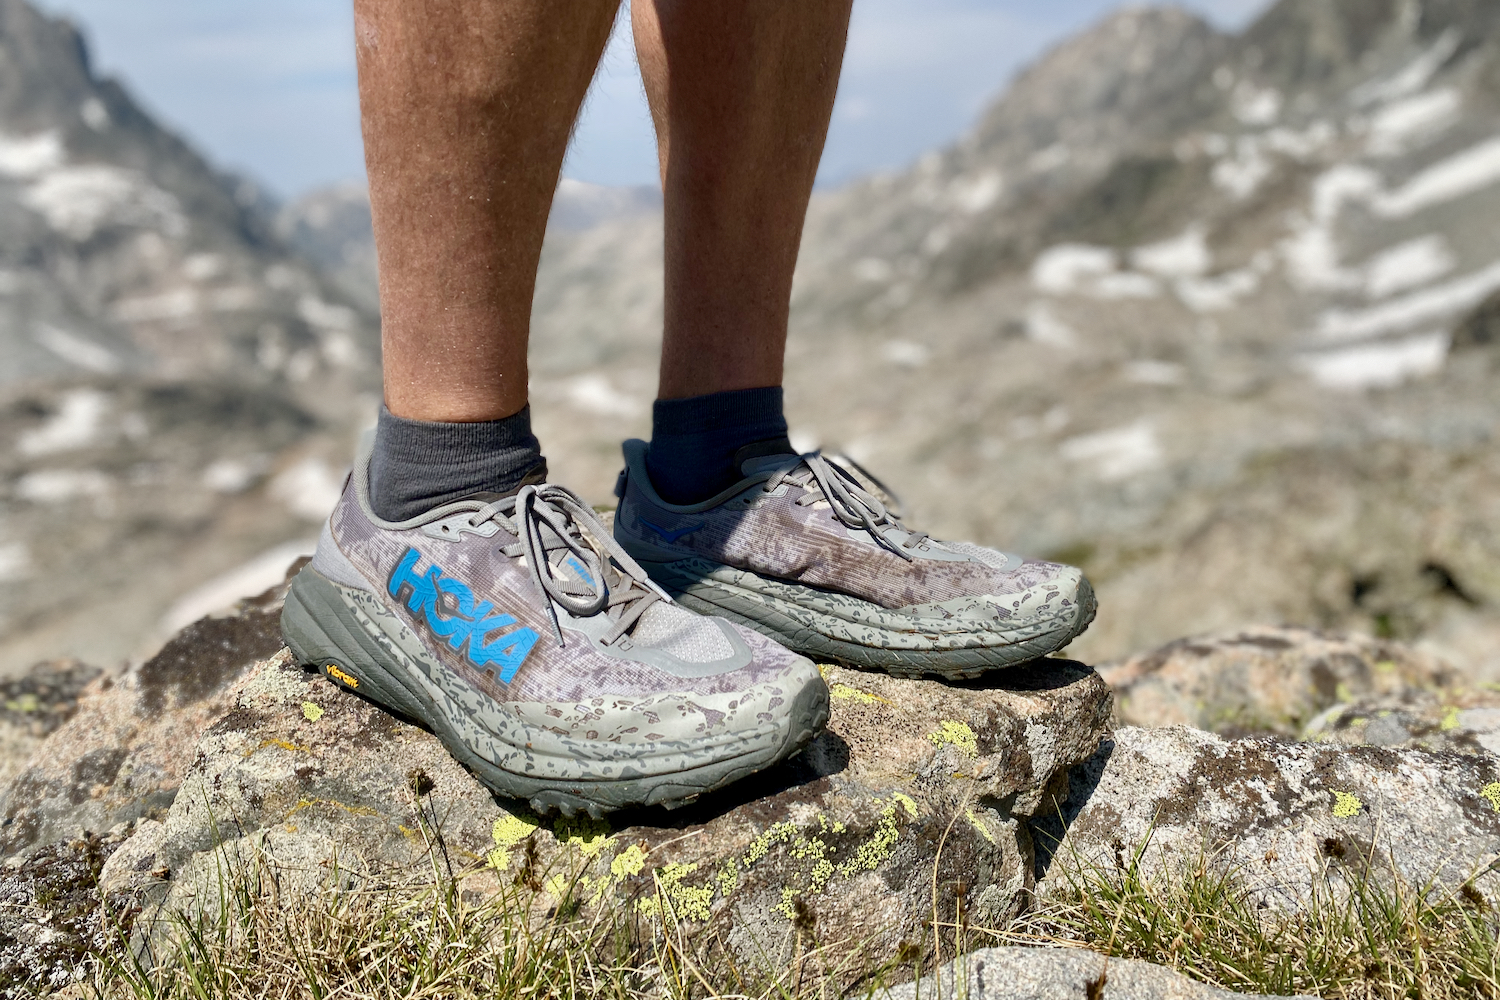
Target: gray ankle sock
<point>419,464</point>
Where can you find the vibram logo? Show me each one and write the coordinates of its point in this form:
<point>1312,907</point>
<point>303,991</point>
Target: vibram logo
<point>339,675</point>
<point>451,612</point>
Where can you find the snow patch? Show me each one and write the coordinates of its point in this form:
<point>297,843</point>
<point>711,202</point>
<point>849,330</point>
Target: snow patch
<point>1413,77</point>
<point>595,394</point>
<point>62,485</point>
<point>1370,366</point>
<point>76,350</point>
<point>975,194</point>
<point>1184,256</point>
<point>1116,454</point>
<point>906,353</point>
<point>1439,302</point>
<point>1462,174</point>
<point>1218,293</point>
<point>74,425</point>
<point>1408,265</point>
<point>28,156</point>
<point>1243,175</point>
<point>78,201</point>
<point>1045,328</point>
<point>1397,127</point>
<point>309,489</point>
<point>254,577</point>
<point>1149,372</point>
<point>1254,105</point>
<point>1066,267</point>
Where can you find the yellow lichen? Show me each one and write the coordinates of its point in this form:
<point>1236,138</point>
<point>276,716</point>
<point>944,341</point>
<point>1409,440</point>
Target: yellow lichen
<point>873,852</point>
<point>1450,719</point>
<point>589,836</point>
<point>979,824</point>
<point>1385,666</point>
<point>509,830</point>
<point>907,802</point>
<point>761,846</point>
<point>785,906</point>
<point>729,878</point>
<point>684,901</point>
<point>843,692</point>
<point>311,712</point>
<point>280,744</point>
<point>557,886</point>
<point>957,733</point>
<point>1346,805</point>
<point>1492,793</point>
<point>335,803</point>
<point>628,862</point>
<point>25,704</point>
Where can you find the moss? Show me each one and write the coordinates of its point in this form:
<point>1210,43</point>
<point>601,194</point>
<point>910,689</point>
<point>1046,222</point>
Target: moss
<point>958,734</point>
<point>1346,805</point>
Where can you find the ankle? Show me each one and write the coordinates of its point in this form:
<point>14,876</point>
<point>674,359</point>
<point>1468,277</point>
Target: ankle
<point>694,441</point>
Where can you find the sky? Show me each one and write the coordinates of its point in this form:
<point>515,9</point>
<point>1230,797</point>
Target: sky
<point>268,89</point>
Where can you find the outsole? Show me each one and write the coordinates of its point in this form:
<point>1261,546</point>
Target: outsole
<point>324,636</point>
<point>714,598</point>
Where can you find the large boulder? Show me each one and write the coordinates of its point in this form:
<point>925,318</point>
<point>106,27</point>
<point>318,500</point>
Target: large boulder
<point>1056,974</point>
<point>1283,815</point>
<point>1265,679</point>
<point>917,793</point>
<point>128,736</point>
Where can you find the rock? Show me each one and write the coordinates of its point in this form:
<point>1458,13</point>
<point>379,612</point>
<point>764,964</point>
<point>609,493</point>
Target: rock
<point>1057,974</point>
<point>122,753</point>
<point>49,916</point>
<point>1280,813</point>
<point>1460,721</point>
<point>35,704</point>
<point>915,786</point>
<point>1265,679</point>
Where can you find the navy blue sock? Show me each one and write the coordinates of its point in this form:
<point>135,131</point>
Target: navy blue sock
<point>694,440</point>
<point>418,464</point>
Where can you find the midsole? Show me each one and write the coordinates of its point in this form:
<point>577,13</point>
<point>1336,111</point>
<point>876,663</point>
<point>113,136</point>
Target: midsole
<point>850,619</point>
<point>508,735</point>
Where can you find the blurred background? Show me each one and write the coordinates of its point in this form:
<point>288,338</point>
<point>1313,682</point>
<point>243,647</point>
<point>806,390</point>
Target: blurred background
<point>1201,297</point>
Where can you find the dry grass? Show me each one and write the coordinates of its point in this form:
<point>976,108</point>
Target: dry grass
<point>1362,936</point>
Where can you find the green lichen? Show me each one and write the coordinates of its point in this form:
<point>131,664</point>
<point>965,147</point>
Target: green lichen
<point>24,705</point>
<point>1450,719</point>
<point>776,833</point>
<point>1346,805</point>
<point>1385,666</point>
<point>628,862</point>
<point>907,802</point>
<point>871,854</point>
<point>843,692</point>
<point>1492,793</point>
<point>958,734</point>
<point>785,907</point>
<point>509,831</point>
<point>311,712</point>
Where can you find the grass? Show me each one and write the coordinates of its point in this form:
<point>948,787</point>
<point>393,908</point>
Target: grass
<point>1364,934</point>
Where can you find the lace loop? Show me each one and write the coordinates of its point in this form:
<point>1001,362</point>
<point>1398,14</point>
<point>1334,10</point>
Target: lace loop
<point>549,518</point>
<point>850,502</point>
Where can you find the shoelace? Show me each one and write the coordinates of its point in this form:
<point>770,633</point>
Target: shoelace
<point>549,518</point>
<point>851,503</point>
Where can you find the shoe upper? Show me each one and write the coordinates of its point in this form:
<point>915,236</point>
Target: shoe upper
<point>529,600</point>
<point>803,519</point>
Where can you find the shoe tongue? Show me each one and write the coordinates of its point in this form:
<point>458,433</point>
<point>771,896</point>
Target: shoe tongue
<point>778,448</point>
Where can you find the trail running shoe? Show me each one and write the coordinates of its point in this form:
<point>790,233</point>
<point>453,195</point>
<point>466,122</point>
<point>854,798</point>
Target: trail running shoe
<point>807,553</point>
<point>526,639</point>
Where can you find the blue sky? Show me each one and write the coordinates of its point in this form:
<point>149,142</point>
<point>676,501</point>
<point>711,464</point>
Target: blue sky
<point>268,88</point>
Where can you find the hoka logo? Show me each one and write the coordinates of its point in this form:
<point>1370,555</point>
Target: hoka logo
<point>449,608</point>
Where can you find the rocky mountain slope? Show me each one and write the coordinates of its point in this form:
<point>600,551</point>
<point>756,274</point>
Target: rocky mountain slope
<point>179,388</point>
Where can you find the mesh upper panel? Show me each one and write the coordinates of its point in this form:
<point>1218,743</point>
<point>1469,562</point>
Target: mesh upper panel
<point>680,633</point>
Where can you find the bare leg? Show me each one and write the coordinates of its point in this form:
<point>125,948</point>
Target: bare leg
<point>466,106</point>
<point>741,94</point>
